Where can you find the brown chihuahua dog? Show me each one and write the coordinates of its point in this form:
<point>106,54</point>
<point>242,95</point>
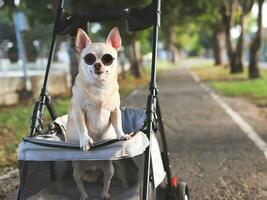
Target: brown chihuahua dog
<point>95,108</point>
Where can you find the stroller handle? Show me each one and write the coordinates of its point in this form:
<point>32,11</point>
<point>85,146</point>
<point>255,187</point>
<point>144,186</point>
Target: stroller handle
<point>137,19</point>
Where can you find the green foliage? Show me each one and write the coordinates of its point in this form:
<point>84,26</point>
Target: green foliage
<point>5,15</point>
<point>192,21</point>
<point>188,39</point>
<point>39,14</point>
<point>179,14</point>
<point>252,21</point>
<point>145,40</point>
<point>38,11</point>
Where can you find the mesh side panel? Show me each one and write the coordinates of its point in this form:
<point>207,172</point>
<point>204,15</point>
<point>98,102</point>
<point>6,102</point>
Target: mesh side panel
<point>54,180</point>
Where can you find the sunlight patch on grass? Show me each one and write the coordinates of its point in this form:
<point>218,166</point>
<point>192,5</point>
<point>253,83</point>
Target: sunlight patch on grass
<point>218,73</point>
<point>130,83</point>
<point>228,84</point>
<point>162,65</point>
<point>254,88</point>
<point>197,63</point>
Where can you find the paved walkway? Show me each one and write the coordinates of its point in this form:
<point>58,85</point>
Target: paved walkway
<point>208,150</point>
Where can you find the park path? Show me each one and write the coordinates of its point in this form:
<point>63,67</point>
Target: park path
<point>208,150</point>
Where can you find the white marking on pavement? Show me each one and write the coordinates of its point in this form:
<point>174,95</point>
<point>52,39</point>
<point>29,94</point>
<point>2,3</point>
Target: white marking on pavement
<point>244,126</point>
<point>195,77</point>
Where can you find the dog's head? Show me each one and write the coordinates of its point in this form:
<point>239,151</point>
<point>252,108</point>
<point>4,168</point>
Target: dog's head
<point>99,60</point>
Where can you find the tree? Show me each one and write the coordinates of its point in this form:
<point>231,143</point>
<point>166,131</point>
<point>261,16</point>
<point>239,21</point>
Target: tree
<point>219,44</point>
<point>246,6</point>
<point>211,21</point>
<point>229,11</point>
<point>134,55</point>
<point>255,45</point>
<point>179,13</point>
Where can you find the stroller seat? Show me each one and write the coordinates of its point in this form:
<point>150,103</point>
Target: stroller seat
<point>40,148</point>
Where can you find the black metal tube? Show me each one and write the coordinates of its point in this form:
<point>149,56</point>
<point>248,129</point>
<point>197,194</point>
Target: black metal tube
<point>146,174</point>
<point>153,75</point>
<point>154,47</point>
<point>151,103</point>
<point>44,98</point>
<point>22,179</point>
<point>34,119</point>
<point>51,108</point>
<point>52,46</point>
<point>166,160</point>
<point>147,158</point>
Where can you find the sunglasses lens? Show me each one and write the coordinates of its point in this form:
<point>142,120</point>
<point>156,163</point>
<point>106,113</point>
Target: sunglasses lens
<point>89,59</point>
<point>107,59</point>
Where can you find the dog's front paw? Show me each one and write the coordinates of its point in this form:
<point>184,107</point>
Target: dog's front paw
<point>105,196</point>
<point>84,197</point>
<point>125,137</point>
<point>86,143</point>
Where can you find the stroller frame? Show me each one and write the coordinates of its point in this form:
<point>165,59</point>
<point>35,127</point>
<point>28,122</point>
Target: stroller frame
<point>138,19</point>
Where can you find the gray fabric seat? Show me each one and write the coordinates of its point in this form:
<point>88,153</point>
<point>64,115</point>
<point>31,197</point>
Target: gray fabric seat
<point>132,119</point>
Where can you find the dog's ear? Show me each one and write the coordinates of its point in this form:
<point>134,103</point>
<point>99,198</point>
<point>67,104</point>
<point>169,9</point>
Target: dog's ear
<point>114,38</point>
<point>82,39</point>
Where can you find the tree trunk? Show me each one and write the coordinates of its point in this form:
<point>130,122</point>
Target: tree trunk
<point>219,40</point>
<point>135,57</point>
<point>235,55</point>
<point>240,45</point>
<point>230,52</point>
<point>255,46</point>
<point>74,61</point>
<point>228,16</point>
<point>253,64</point>
<point>173,52</point>
<point>122,64</point>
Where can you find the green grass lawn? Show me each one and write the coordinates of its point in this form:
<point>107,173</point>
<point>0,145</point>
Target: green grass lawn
<point>14,121</point>
<point>235,84</point>
<point>14,124</point>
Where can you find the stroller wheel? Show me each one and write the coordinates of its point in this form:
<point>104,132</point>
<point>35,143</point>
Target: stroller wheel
<point>177,191</point>
<point>182,191</point>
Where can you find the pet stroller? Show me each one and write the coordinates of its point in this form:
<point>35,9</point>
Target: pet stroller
<point>141,163</point>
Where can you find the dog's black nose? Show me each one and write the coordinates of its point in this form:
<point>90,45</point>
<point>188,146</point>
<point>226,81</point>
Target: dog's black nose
<point>97,66</point>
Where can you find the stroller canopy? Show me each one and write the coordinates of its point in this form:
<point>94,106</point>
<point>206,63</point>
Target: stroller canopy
<point>137,19</point>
